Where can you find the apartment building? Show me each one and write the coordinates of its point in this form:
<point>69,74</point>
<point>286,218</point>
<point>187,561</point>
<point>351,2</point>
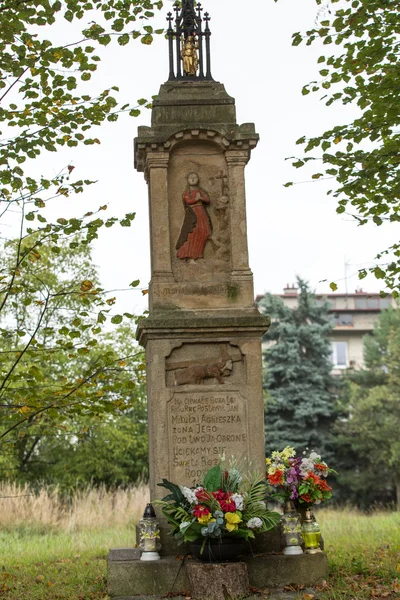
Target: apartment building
<point>353,316</point>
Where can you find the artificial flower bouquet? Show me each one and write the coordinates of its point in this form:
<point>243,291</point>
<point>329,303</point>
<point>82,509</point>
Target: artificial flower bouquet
<point>224,504</point>
<point>299,478</point>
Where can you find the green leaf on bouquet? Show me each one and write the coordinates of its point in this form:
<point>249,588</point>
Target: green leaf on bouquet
<point>212,479</point>
<point>176,493</point>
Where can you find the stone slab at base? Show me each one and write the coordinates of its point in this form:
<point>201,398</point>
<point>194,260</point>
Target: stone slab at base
<point>129,579</point>
<point>217,581</point>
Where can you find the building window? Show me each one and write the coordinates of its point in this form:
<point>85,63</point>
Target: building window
<point>342,320</point>
<point>373,303</point>
<point>340,355</point>
<point>385,303</point>
<point>361,303</point>
<point>345,319</point>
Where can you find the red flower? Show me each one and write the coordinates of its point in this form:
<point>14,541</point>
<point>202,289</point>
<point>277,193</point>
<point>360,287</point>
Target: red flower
<point>320,467</point>
<point>323,486</point>
<point>276,478</point>
<point>225,501</point>
<point>202,495</point>
<point>201,511</point>
<point>220,495</point>
<point>315,478</point>
<point>306,498</point>
<point>227,505</point>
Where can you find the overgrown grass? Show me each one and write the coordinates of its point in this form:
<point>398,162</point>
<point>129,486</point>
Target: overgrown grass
<point>65,559</point>
<point>364,554</point>
<point>53,549</point>
<point>89,508</point>
<point>57,565</point>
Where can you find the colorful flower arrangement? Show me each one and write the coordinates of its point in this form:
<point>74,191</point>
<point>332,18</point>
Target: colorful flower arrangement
<point>302,479</point>
<point>224,504</point>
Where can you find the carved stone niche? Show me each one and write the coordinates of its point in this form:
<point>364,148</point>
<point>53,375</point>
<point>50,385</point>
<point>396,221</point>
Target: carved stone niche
<point>198,364</point>
<point>207,259</point>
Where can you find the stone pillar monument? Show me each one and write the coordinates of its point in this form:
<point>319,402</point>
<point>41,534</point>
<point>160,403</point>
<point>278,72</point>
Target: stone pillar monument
<point>203,333</point>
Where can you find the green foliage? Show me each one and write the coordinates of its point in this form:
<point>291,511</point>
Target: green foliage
<point>209,510</point>
<point>176,493</point>
<point>298,382</point>
<point>362,156</point>
<point>212,479</point>
<point>60,369</point>
<point>56,362</point>
<point>43,101</point>
<point>369,432</point>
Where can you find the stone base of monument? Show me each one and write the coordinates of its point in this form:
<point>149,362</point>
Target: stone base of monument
<point>128,578</point>
<point>217,581</point>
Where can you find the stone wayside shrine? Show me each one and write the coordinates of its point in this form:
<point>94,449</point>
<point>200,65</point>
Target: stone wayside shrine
<point>203,333</point>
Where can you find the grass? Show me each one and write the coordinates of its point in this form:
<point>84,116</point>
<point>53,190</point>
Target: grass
<point>57,565</point>
<point>53,549</point>
<point>364,555</point>
<point>59,552</point>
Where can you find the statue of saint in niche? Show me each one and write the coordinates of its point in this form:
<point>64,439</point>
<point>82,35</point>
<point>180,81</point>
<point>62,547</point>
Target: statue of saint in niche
<point>189,55</point>
<point>197,227</point>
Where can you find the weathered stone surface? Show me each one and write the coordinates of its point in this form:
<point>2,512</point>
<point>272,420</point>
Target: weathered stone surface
<point>133,578</point>
<point>193,424</point>
<point>279,570</point>
<point>161,322</point>
<point>268,542</point>
<point>203,333</point>
<point>124,554</point>
<point>128,579</point>
<point>218,581</point>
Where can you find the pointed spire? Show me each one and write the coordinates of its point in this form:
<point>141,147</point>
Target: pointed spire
<point>188,17</point>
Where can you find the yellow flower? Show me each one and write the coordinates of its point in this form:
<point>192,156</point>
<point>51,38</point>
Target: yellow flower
<point>232,521</point>
<point>205,519</point>
<point>271,471</point>
<point>268,461</point>
<point>288,452</point>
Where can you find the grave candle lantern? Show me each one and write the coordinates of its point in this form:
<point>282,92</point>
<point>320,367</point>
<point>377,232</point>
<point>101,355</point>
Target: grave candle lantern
<point>149,535</point>
<point>311,534</point>
<point>291,530</point>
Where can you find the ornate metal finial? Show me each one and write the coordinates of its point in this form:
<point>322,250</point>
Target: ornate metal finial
<point>186,62</point>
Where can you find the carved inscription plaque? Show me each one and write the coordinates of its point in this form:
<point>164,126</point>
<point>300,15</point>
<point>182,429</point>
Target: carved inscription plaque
<point>201,427</point>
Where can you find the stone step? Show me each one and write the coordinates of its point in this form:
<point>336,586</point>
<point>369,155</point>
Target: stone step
<point>128,579</point>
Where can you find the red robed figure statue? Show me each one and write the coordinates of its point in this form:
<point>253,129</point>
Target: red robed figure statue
<point>197,227</point>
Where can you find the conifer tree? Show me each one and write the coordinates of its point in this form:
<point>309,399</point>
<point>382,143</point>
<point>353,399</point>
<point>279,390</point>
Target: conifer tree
<point>298,382</point>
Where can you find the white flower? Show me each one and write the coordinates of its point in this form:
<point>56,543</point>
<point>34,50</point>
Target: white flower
<point>306,466</point>
<point>184,524</point>
<point>315,457</point>
<point>189,494</point>
<point>238,500</point>
<point>235,475</point>
<point>254,523</point>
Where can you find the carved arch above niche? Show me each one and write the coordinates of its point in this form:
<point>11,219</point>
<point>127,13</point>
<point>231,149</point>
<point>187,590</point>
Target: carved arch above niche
<point>243,140</point>
<point>202,363</point>
<point>191,135</point>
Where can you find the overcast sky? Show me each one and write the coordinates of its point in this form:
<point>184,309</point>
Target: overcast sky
<point>291,230</point>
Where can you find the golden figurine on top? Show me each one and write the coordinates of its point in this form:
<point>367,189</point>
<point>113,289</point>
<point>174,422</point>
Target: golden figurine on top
<point>189,55</point>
